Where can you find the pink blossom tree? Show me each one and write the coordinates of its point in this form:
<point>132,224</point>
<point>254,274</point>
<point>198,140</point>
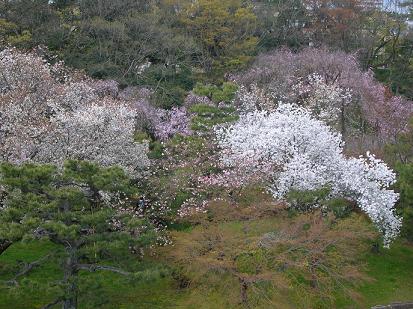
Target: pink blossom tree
<point>160,123</point>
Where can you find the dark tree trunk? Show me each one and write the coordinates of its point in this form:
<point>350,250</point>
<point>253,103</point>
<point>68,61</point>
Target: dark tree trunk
<point>70,272</point>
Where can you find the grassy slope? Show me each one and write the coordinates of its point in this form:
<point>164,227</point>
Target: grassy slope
<point>393,274</point>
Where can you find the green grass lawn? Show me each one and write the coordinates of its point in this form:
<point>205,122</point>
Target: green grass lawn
<point>392,271</point>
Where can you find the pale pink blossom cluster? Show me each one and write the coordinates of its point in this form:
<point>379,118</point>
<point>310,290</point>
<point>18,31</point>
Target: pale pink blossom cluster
<point>172,122</point>
<point>194,99</point>
<point>105,88</point>
<point>325,101</point>
<point>191,207</point>
<point>162,124</point>
<point>388,113</point>
<point>253,98</point>
<point>135,93</point>
<point>238,177</point>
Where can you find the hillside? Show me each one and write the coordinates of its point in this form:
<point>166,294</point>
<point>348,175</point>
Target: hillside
<point>207,265</point>
<point>206,154</point>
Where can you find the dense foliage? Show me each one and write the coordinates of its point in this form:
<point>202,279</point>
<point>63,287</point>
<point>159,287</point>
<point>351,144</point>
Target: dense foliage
<point>169,44</point>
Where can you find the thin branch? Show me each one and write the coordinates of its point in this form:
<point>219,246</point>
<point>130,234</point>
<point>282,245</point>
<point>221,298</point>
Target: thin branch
<point>93,268</point>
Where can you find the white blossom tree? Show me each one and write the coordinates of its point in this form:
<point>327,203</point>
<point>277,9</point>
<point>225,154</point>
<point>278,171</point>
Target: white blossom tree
<point>307,155</point>
<point>328,102</point>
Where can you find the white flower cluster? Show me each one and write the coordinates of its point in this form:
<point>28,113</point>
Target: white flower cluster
<point>96,132</point>
<point>324,100</point>
<point>309,155</point>
<point>191,207</point>
<point>254,98</point>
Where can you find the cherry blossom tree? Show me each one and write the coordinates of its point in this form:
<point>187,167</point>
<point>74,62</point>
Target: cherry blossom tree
<point>26,86</point>
<point>48,116</point>
<point>327,102</point>
<point>307,155</point>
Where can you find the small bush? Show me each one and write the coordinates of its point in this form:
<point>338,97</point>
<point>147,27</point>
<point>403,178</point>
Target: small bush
<point>308,200</point>
<point>169,97</point>
<point>179,199</point>
<point>142,137</point>
<point>251,262</point>
<point>208,116</point>
<point>155,150</point>
<point>340,207</point>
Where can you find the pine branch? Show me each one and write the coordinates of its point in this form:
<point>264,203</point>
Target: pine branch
<point>26,269</point>
<point>93,268</point>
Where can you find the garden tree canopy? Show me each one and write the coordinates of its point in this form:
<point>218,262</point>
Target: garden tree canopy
<point>394,65</point>
<point>225,30</point>
<point>83,208</point>
<point>108,40</point>
<point>281,23</point>
<point>336,23</point>
<point>150,43</point>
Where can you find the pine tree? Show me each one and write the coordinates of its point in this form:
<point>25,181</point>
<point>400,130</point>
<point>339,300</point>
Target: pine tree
<point>83,209</point>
